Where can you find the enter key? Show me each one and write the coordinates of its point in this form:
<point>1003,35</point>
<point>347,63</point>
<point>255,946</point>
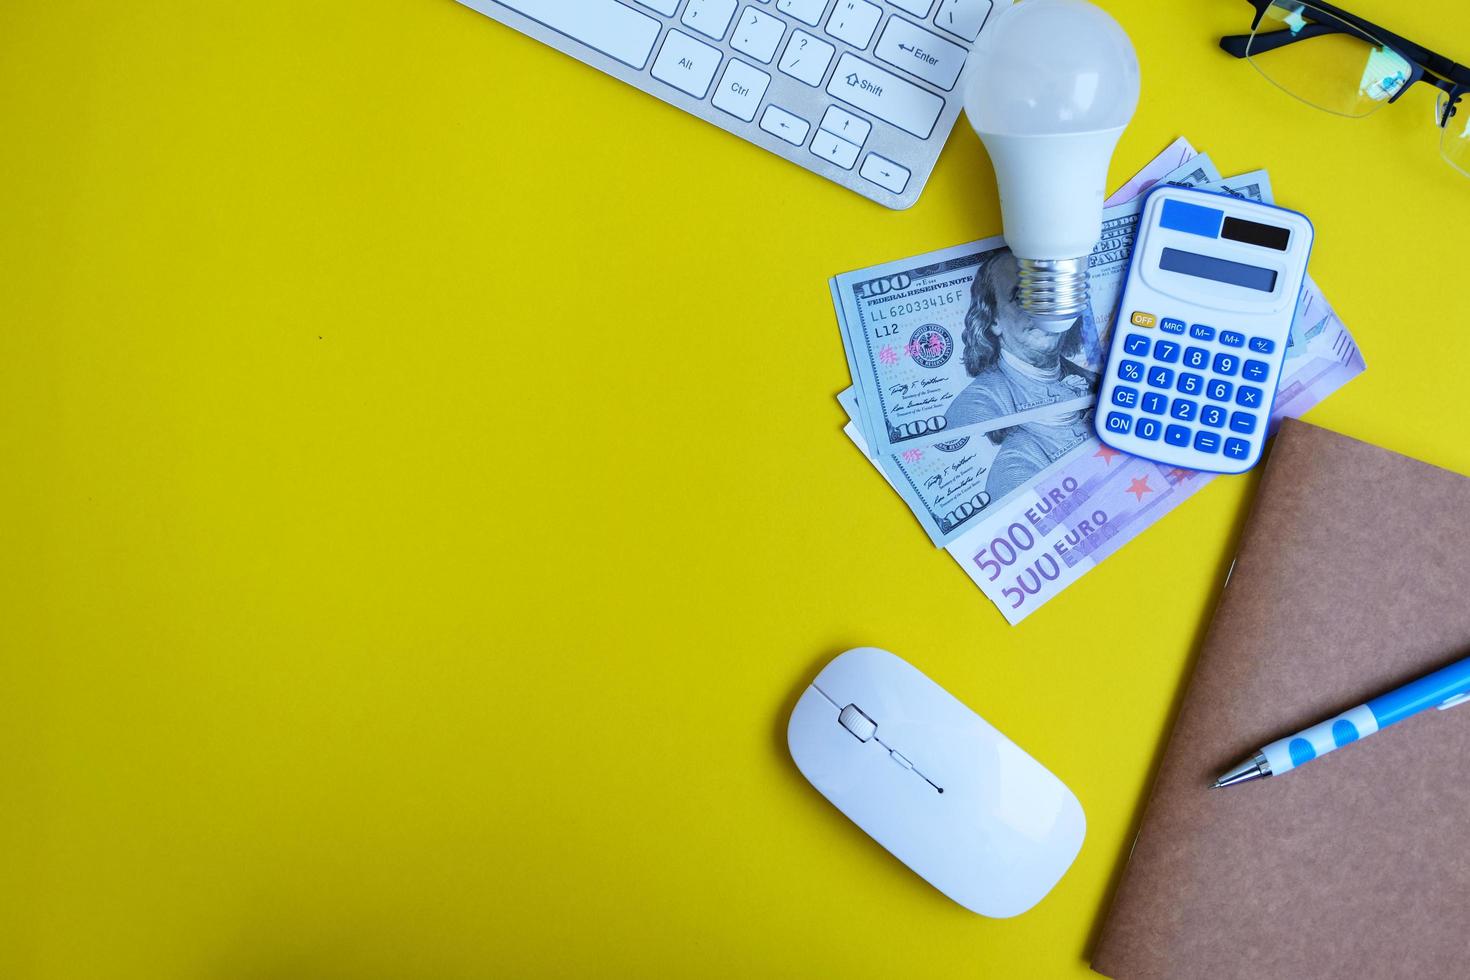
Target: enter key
<point>920,53</point>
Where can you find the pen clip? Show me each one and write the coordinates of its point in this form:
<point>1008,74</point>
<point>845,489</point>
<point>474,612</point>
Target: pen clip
<point>1457,699</point>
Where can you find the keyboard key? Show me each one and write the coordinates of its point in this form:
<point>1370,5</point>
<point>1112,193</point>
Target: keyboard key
<point>835,149</point>
<point>741,89</point>
<point>1190,384</point>
<point>1148,429</point>
<point>1242,422</point>
<point>806,11</point>
<point>1196,357</point>
<point>1177,435</point>
<point>1231,338</point>
<point>1125,396</point>
<point>1135,344</point>
<point>1119,423</point>
<point>1130,371</point>
<point>839,122</point>
<point>1237,449</point>
<point>1166,351</point>
<point>1226,364</point>
<point>1206,442</point>
<point>790,127</point>
<point>854,21</point>
<point>806,57</point>
<point>1262,345</point>
<point>665,7</point>
<point>709,17</point>
<point>1175,327</point>
<point>1248,397</point>
<point>1255,370</point>
<point>1213,416</point>
<point>963,18</point>
<point>758,34</point>
<point>686,64</point>
<point>1201,332</point>
<point>1141,319</point>
<point>919,8</point>
<point>617,31</point>
<point>883,94</point>
<point>1219,390</point>
<point>1154,403</point>
<point>1160,377</point>
<point>885,173</point>
<point>1183,409</point>
<point>919,52</point>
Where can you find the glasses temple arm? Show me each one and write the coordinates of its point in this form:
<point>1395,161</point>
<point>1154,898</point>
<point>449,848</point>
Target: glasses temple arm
<point>1240,45</point>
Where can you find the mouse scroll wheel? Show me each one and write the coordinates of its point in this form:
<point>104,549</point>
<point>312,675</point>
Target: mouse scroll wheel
<point>861,726</point>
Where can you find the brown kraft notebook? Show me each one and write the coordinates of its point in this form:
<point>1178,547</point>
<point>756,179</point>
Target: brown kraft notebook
<point>1352,577</point>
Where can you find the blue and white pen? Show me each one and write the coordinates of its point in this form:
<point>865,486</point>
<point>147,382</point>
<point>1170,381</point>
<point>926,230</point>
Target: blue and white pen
<point>1442,689</point>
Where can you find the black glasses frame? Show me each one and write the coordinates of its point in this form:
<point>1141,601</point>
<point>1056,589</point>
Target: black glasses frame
<point>1449,77</point>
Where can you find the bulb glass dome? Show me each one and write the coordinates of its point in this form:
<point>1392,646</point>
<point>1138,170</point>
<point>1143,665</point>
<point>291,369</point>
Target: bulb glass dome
<point>1051,67</point>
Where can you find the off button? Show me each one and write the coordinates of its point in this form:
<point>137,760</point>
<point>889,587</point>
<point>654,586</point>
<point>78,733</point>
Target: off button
<point>1144,319</point>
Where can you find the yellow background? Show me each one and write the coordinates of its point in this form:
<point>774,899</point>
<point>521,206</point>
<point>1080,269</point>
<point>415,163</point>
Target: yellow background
<point>422,500</point>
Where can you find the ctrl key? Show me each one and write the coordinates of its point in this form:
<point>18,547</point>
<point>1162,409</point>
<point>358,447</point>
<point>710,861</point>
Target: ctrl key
<point>1119,422</point>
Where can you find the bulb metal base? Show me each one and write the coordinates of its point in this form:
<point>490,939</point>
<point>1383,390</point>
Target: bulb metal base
<point>1053,289</point>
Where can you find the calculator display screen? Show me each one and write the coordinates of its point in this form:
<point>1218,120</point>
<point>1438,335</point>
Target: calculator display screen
<point>1218,270</point>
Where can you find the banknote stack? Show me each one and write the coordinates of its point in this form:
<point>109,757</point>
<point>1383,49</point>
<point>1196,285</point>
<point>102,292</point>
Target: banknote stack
<point>995,453</point>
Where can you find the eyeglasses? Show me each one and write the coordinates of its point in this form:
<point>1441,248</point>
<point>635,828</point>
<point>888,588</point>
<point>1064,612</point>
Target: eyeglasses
<point>1339,62</point>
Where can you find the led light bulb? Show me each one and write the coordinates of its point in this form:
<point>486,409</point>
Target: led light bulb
<point>1050,87</point>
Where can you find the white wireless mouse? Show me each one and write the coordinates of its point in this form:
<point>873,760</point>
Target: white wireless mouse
<point>926,777</point>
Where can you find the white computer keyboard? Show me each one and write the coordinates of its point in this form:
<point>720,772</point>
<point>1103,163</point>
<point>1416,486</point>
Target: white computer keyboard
<point>863,93</point>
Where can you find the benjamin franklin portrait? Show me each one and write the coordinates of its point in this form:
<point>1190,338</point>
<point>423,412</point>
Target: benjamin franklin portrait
<point>1018,366</point>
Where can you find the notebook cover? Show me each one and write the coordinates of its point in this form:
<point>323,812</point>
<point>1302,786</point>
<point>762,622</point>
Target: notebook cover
<point>1352,576</point>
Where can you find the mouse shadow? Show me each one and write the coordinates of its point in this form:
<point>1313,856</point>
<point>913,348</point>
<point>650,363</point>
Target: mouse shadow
<point>1202,628</point>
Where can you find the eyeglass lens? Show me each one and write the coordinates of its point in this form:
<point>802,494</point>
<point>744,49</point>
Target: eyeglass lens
<point>1341,73</point>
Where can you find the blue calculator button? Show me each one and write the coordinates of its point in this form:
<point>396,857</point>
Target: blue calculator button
<point>1175,327</point>
<point>1196,357</point>
<point>1154,403</point>
<point>1242,422</point>
<point>1213,416</point>
<point>1248,397</point>
<point>1237,449</point>
<point>1255,370</point>
<point>1118,422</point>
<point>1190,384</point>
<point>1160,377</point>
<point>1226,364</point>
<point>1262,345</point>
<point>1219,390</point>
<point>1130,371</point>
<point>1136,344</point>
<point>1177,435</point>
<point>1183,409</point>
<point>1207,442</point>
<point>1148,429</point>
<point>1166,351</point>
<point>1231,338</point>
<point>1125,396</point>
<point>1201,332</point>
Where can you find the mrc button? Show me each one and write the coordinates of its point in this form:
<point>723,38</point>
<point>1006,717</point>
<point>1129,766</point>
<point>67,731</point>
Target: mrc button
<point>1143,319</point>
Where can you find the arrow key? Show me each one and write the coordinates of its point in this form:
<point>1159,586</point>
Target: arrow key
<point>885,173</point>
<point>790,127</point>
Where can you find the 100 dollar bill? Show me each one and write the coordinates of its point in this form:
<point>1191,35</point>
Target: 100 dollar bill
<point>951,482</point>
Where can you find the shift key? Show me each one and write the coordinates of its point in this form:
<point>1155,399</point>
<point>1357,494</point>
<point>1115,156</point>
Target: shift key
<point>885,95</point>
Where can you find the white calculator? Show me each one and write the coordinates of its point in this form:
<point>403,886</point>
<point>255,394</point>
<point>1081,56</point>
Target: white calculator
<point>1202,329</point>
